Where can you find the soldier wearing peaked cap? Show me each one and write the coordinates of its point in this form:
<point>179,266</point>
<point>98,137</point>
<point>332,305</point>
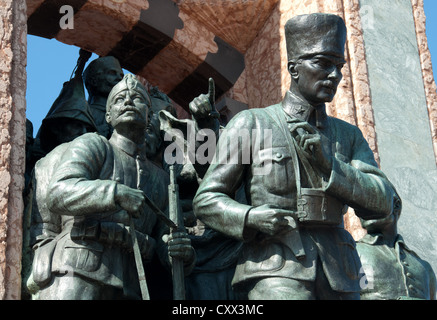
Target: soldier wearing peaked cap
<point>299,186</point>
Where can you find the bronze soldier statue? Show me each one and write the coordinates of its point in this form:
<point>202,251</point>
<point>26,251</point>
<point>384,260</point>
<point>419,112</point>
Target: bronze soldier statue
<point>392,270</point>
<point>216,253</point>
<point>298,180</point>
<point>68,118</point>
<point>99,77</point>
<point>95,187</point>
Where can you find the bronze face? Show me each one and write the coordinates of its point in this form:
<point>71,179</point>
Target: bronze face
<point>128,106</point>
<point>318,77</point>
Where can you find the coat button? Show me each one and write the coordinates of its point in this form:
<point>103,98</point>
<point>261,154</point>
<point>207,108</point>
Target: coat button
<point>278,155</point>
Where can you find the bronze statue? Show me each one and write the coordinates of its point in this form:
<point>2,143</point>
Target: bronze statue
<point>154,135</point>
<point>300,169</point>
<point>392,270</point>
<point>215,252</point>
<point>99,190</point>
<point>99,77</point>
<point>69,116</point>
<point>68,120</point>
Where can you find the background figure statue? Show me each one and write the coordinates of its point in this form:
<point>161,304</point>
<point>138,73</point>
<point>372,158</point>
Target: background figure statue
<point>216,253</point>
<point>300,168</point>
<point>26,261</point>
<point>100,76</point>
<point>30,161</point>
<point>393,271</point>
<point>154,134</point>
<point>95,188</point>
<point>68,117</point>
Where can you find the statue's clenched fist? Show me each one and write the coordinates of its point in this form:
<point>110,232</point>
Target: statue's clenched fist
<point>131,200</point>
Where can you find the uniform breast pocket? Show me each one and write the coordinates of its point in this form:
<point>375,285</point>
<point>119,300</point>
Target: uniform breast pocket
<point>86,256</point>
<point>275,169</point>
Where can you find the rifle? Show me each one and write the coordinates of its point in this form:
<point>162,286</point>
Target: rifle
<point>177,264</point>
<point>175,212</point>
<point>137,254</point>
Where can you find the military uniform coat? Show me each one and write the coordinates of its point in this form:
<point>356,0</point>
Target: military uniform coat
<point>394,272</point>
<point>93,242</point>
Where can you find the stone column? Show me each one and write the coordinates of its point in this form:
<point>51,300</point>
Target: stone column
<point>403,102</point>
<point>426,64</point>
<point>13,56</point>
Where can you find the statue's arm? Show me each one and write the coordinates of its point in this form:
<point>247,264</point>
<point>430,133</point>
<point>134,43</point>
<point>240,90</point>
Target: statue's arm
<point>360,183</point>
<point>75,188</point>
<point>214,202</point>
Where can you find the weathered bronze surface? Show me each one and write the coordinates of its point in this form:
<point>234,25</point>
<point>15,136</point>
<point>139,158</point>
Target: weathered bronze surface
<point>393,271</point>
<point>100,77</point>
<point>86,192</point>
<point>298,182</point>
<point>262,219</point>
<point>216,253</point>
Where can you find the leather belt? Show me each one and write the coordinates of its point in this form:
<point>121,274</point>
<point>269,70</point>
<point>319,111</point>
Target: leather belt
<point>112,233</point>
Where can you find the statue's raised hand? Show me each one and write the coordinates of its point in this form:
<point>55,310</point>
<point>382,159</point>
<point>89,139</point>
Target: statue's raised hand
<point>203,106</point>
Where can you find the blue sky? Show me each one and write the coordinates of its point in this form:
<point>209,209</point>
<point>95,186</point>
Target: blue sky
<point>50,63</point>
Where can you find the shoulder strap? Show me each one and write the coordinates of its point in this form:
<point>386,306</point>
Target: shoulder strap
<point>296,151</point>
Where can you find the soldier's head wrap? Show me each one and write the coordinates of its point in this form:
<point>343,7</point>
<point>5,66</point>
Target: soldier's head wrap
<point>317,33</point>
<point>129,82</point>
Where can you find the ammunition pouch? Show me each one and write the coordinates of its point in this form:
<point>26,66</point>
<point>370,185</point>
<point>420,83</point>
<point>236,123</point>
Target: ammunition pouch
<point>314,206</point>
<point>112,234</point>
<point>42,262</point>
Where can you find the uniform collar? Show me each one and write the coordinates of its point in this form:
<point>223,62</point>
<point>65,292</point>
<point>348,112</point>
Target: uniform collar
<point>376,238</point>
<point>128,146</point>
<point>297,108</point>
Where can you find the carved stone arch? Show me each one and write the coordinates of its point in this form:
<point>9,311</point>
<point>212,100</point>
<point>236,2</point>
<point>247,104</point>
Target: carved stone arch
<point>174,44</point>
